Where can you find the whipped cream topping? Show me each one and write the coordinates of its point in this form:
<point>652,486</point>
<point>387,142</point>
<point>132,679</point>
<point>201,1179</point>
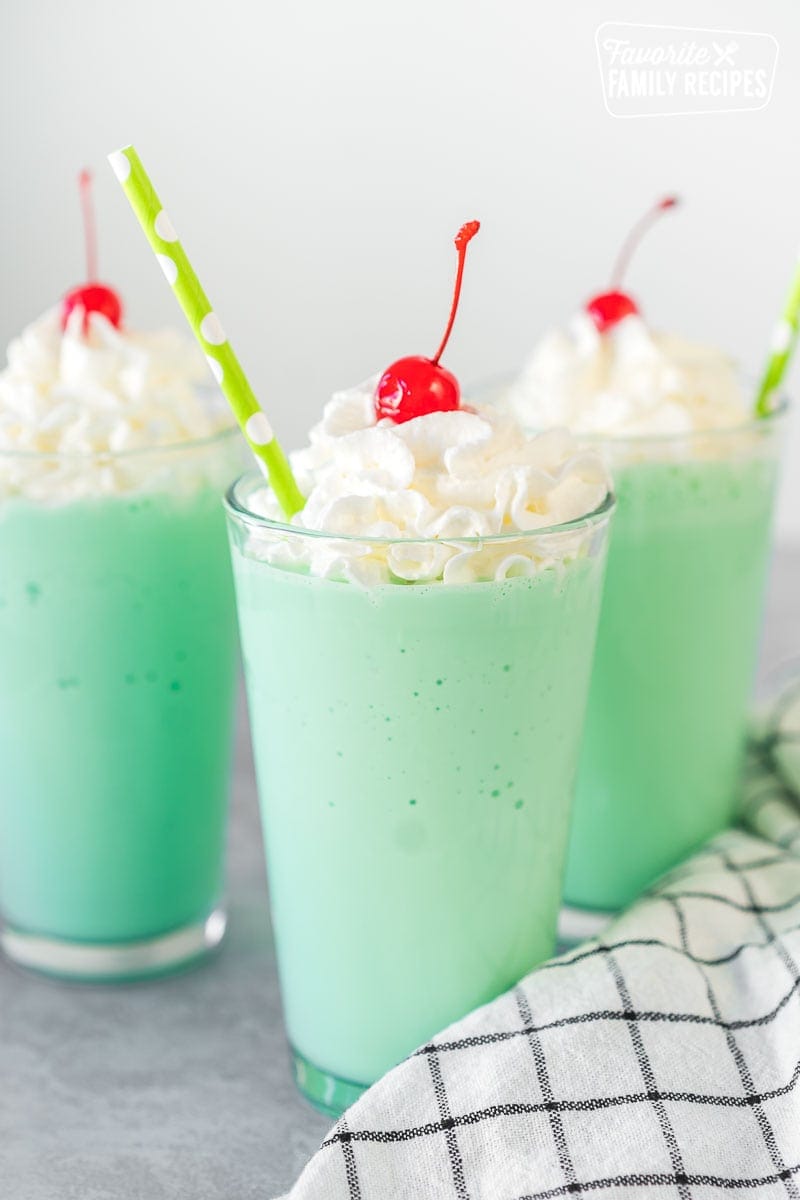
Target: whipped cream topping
<point>627,382</point>
<point>94,396</point>
<point>424,484</point>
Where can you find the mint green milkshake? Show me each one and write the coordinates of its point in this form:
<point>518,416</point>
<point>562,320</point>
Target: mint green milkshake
<point>664,743</point>
<point>117,654</point>
<point>416,705</point>
<point>695,474</point>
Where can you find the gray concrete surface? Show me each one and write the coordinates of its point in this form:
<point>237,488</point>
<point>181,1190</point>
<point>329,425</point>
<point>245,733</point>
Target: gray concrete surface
<point>181,1089</point>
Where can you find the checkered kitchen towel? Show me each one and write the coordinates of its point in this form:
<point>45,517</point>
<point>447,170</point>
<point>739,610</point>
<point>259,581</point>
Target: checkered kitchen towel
<point>660,1060</point>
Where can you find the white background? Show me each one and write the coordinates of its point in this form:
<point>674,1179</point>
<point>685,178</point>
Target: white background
<point>317,158</point>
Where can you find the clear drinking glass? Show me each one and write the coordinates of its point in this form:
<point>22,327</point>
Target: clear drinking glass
<point>117,672</point>
<point>415,750</point>
<point>660,765</point>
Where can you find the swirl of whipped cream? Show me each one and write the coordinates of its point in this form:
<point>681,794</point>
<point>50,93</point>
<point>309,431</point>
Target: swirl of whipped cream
<point>421,486</point>
<point>80,398</point>
<point>626,382</point>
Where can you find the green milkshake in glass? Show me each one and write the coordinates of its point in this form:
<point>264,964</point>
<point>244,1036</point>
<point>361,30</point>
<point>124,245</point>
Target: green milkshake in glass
<point>117,646</point>
<point>417,646</point>
<point>695,474</point>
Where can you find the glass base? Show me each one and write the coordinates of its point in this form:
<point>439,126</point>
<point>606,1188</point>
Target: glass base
<point>110,962</point>
<point>577,925</point>
<point>329,1094</point>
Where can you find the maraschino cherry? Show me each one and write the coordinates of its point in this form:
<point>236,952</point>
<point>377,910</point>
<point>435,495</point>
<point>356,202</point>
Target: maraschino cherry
<point>611,307</point>
<point>414,386</point>
<point>91,296</point>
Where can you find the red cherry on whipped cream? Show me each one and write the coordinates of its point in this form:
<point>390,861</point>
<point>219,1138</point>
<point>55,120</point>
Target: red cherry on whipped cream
<point>92,297</point>
<point>415,386</point>
<point>609,308</point>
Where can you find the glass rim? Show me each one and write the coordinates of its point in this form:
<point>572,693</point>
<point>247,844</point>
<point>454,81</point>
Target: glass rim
<point>238,510</point>
<point>481,392</point>
<point>78,458</point>
<point>753,424</point>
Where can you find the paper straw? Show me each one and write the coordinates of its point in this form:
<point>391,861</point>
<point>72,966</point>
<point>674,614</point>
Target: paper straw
<point>206,326</point>
<point>784,339</point>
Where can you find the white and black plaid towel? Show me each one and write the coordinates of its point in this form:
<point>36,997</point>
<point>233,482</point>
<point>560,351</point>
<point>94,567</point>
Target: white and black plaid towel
<point>659,1060</point>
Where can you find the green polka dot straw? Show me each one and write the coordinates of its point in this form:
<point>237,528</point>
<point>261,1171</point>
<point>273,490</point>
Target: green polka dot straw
<point>784,340</point>
<point>206,326</point>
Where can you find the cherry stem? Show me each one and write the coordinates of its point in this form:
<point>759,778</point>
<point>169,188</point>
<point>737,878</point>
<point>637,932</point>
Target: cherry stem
<point>464,236</point>
<point>89,226</point>
<point>635,236</point>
